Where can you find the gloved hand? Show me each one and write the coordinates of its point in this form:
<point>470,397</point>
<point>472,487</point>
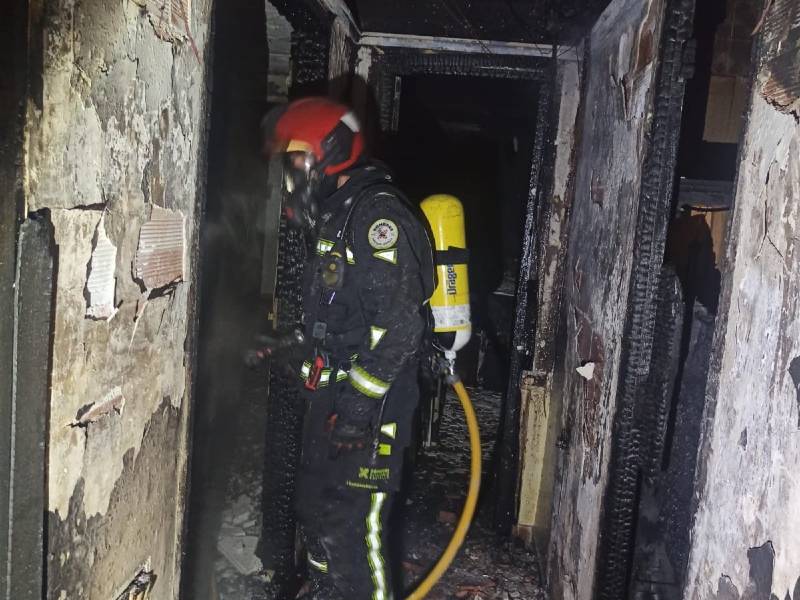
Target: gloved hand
<point>255,357</point>
<point>287,345</point>
<point>352,426</point>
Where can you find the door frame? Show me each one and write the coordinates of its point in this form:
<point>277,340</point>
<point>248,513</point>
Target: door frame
<point>27,276</point>
<point>399,56</point>
<point>617,529</point>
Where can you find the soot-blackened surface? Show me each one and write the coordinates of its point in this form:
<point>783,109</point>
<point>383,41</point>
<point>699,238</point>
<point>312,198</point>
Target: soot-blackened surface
<point>487,567</point>
<point>486,19</point>
<point>241,514</point>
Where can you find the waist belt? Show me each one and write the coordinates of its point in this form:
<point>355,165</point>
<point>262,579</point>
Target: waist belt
<point>317,378</point>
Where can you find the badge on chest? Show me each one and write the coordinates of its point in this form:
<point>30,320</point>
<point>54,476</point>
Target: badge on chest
<point>383,234</point>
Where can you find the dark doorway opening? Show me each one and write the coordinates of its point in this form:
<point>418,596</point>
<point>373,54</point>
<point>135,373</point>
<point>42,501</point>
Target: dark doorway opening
<point>244,442</point>
<point>231,306</point>
<point>472,137</point>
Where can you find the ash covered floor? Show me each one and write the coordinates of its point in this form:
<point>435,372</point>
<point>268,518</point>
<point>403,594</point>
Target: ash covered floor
<point>237,572</point>
<point>487,567</point>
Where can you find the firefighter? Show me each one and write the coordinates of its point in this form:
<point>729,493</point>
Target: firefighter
<point>368,274</point>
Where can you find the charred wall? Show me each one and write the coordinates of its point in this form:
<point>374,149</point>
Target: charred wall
<point>310,41</point>
<point>115,133</point>
<point>341,60</point>
<point>13,72</point>
<point>539,405</point>
<point>747,523</point>
<point>232,235</point>
<point>311,33</point>
<point>617,105</point>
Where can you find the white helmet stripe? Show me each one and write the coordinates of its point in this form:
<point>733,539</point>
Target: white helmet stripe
<point>349,119</point>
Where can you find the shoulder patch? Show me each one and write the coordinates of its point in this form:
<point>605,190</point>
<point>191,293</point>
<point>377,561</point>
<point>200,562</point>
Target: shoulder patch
<point>382,234</point>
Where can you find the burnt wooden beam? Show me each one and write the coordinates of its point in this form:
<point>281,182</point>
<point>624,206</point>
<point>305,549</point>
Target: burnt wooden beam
<point>13,84</point>
<point>655,199</point>
<point>525,310</point>
<point>31,366</point>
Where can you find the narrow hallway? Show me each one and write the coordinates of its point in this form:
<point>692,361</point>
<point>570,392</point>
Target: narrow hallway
<point>247,247</point>
<point>489,566</point>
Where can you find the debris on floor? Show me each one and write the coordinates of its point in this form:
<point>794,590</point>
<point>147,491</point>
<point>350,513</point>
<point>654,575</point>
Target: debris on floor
<point>487,567</point>
<point>238,570</point>
<point>240,550</point>
<point>238,536</point>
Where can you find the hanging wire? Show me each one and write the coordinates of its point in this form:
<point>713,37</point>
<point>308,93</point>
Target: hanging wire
<point>462,20</point>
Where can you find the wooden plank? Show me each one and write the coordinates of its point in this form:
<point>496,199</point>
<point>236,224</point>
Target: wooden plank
<point>727,101</point>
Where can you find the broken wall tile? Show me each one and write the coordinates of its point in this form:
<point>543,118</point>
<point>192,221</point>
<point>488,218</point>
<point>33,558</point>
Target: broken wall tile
<point>160,256</point>
<point>101,283</point>
<point>780,75</point>
<point>140,587</point>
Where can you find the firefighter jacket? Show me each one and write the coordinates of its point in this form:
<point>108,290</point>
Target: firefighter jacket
<point>367,280</point>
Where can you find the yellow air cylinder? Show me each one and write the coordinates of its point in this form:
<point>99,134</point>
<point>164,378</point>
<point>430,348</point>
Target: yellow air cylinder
<point>450,300</point>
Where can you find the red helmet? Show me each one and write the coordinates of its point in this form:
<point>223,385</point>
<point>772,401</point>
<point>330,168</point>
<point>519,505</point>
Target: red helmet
<point>324,128</point>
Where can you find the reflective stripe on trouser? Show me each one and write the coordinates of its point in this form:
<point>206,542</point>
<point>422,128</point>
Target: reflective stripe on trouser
<point>354,526</point>
<point>374,551</point>
<point>319,565</point>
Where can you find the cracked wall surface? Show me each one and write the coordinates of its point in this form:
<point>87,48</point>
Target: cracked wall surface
<point>616,107</point>
<point>115,132</point>
<point>747,525</point>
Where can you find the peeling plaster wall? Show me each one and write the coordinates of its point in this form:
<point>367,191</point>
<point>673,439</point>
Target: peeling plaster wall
<point>115,128</point>
<point>616,106</point>
<point>747,525</point>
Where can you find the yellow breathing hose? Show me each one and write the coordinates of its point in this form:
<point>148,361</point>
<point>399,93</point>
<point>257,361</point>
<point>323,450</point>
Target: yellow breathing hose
<point>472,496</point>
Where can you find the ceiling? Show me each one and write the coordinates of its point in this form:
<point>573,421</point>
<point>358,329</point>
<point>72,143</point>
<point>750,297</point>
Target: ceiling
<point>492,105</point>
<point>503,20</point>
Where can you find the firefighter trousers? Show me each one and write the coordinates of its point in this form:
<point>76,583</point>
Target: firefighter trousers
<point>346,539</point>
<point>344,501</point>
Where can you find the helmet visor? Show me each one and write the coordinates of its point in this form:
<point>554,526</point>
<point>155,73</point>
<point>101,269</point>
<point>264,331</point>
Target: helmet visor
<point>300,180</point>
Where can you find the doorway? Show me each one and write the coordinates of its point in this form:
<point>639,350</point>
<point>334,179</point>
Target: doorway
<point>504,78</point>
<point>472,137</point>
<point>27,300</point>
